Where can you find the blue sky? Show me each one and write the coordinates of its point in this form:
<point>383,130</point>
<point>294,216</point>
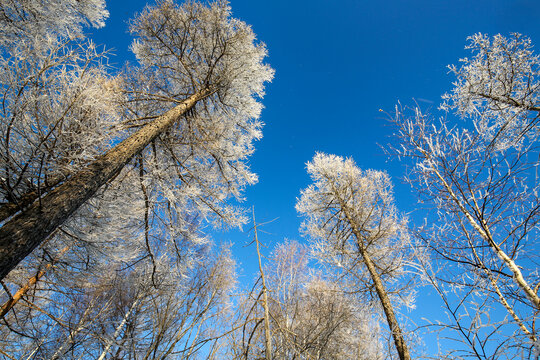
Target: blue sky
<point>337,63</point>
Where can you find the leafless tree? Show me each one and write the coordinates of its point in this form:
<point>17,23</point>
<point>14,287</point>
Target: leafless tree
<point>481,174</point>
<point>354,227</point>
<point>310,318</point>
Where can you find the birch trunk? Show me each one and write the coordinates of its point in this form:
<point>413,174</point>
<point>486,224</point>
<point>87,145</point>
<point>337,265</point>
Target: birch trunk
<point>23,233</point>
<point>486,234</point>
<point>119,329</point>
<point>70,339</point>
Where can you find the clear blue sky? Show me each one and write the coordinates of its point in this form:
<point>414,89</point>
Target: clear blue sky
<point>337,63</point>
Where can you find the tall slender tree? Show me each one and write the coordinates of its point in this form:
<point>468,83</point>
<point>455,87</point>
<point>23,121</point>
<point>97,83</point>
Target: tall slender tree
<point>354,226</point>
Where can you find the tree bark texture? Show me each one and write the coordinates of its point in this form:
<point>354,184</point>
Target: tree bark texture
<point>24,232</point>
<point>11,208</point>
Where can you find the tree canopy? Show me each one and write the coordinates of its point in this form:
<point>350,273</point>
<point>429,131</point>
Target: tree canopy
<point>115,182</point>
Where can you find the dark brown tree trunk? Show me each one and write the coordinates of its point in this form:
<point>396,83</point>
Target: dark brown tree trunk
<point>22,234</point>
<point>9,209</point>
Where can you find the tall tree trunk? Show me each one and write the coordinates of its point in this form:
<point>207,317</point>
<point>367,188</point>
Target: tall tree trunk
<point>22,234</point>
<point>10,208</point>
<point>397,334</point>
<point>267,333</point>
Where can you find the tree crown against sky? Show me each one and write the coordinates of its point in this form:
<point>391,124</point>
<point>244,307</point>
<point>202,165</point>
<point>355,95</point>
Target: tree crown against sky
<point>498,88</point>
<point>215,140</point>
<point>191,114</point>
<point>354,228</point>
<point>146,103</point>
<point>142,209</point>
<point>339,186</point>
<point>480,172</point>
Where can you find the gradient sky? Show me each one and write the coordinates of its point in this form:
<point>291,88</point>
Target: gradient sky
<point>337,64</point>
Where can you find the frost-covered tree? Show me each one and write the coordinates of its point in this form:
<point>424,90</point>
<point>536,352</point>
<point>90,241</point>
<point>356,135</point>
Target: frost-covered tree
<point>124,313</point>
<point>354,227</point>
<point>314,317</point>
<point>192,117</point>
<point>126,273</point>
<point>59,113</point>
<point>498,90</point>
<point>58,100</point>
<point>37,20</point>
<point>481,173</point>
<point>310,317</point>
